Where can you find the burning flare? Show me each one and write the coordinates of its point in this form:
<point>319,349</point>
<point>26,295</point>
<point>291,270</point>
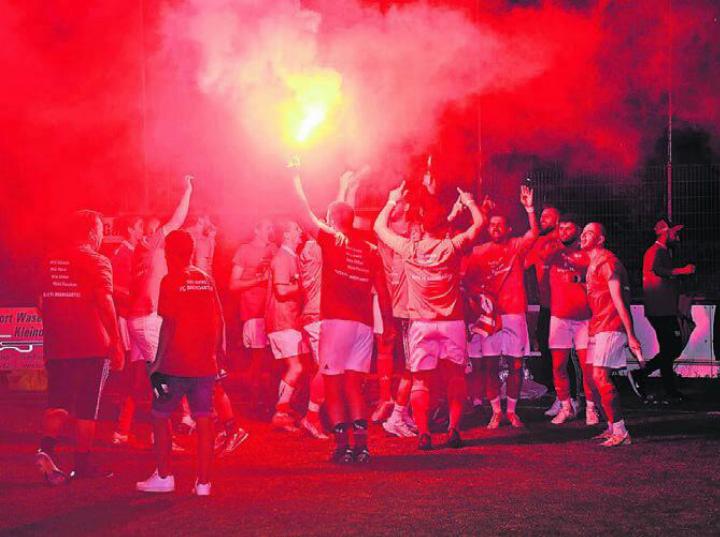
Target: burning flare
<point>314,98</point>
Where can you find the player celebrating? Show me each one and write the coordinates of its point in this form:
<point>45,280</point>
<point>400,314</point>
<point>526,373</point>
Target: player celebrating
<point>569,320</point>
<point>311,280</point>
<point>436,333</point>
<point>191,336</point>
<point>494,277</point>
<point>399,422</point>
<point>249,279</point>
<point>610,329</point>
<point>538,257</point>
<point>350,270</point>
<point>80,335</point>
<point>282,319</point>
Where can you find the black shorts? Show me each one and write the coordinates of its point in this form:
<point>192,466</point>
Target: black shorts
<point>76,384</point>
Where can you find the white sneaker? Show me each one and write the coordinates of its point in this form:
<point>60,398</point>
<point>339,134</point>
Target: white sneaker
<point>591,416</point>
<point>616,440</point>
<point>119,439</point>
<point>495,420</point>
<point>397,427</point>
<point>407,420</point>
<point>155,483</point>
<point>554,410</point>
<point>201,489</point>
<point>565,414</point>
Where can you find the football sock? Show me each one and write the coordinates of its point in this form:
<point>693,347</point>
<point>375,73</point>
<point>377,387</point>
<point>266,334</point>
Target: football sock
<point>340,432</point>
<point>618,428</point>
<point>360,433</point>
<point>285,392</point>
<point>511,405</point>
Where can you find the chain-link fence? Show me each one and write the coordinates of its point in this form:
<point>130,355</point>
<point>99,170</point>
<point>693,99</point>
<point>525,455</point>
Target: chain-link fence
<point>630,204</point>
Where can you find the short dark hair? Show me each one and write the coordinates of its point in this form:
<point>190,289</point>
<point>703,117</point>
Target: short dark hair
<point>342,215</point>
<point>434,218</point>
<point>179,246</point>
<point>570,217</point>
<point>83,223</point>
<point>498,215</point>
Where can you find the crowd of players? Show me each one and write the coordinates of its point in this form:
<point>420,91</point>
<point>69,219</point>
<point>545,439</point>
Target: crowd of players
<point>327,297</point>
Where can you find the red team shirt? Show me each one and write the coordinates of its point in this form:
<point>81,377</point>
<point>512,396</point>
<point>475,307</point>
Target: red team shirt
<point>568,298</point>
<point>283,313</point>
<point>310,278</point>
<point>605,317</point>
<point>396,278</point>
<point>255,261</point>
<point>190,300</point>
<point>498,269</point>
<point>432,271</point>
<point>149,268</point>
<point>540,255</point>
<point>348,275</point>
<point>73,281</point>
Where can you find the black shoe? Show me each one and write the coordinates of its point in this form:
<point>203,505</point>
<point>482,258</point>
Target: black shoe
<point>637,382</point>
<point>677,397</point>
<point>53,475</point>
<point>342,455</point>
<point>91,471</point>
<point>425,442</point>
<point>454,441</point>
<point>361,456</point>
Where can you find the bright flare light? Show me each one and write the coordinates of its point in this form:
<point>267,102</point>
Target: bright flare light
<point>315,96</point>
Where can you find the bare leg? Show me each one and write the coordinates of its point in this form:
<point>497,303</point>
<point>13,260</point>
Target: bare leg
<point>204,448</point>
<point>163,445</point>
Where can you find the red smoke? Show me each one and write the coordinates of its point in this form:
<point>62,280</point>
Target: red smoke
<point>104,105</point>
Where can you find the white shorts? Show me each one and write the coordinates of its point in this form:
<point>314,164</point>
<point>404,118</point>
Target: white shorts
<point>377,317</point>
<point>254,335</point>
<point>568,333</point>
<point>432,341</point>
<point>144,335</point>
<point>345,345</point>
<point>608,349</point>
<point>511,340</point>
<point>313,337</point>
<point>124,334</point>
<point>287,343</point>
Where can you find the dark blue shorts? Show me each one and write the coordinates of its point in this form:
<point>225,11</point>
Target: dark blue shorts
<point>199,392</point>
<point>76,385</point>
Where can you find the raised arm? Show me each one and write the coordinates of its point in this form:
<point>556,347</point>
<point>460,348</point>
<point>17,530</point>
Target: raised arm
<point>381,228</point>
<point>181,211</point>
<point>349,184</point>
<point>531,235</point>
<point>479,218</point>
<point>306,218</point>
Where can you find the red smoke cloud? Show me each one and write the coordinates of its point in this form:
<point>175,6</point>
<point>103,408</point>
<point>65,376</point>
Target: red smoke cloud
<point>102,105</point>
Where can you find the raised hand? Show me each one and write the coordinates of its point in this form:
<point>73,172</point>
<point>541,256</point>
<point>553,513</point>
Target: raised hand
<point>465,197</point>
<point>294,162</point>
<point>487,205</point>
<point>526,197</point>
<point>396,194</point>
